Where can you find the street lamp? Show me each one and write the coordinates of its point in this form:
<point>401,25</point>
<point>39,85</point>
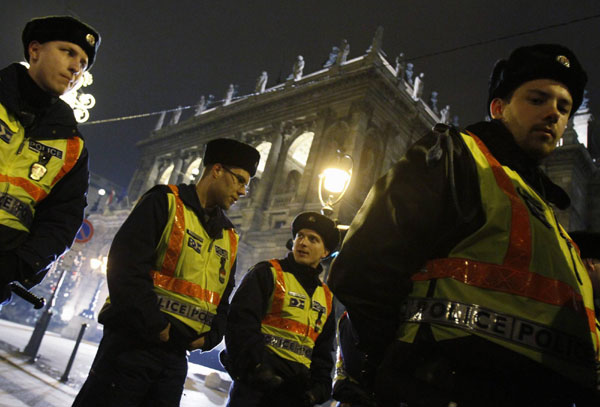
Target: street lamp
<point>95,263</point>
<point>101,193</point>
<point>334,182</point>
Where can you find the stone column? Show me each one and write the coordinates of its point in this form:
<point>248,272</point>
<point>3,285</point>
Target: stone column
<point>309,183</point>
<point>176,175</point>
<point>261,198</point>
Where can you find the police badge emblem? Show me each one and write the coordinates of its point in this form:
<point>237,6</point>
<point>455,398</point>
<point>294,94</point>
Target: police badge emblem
<point>90,39</point>
<point>222,271</point>
<point>38,170</point>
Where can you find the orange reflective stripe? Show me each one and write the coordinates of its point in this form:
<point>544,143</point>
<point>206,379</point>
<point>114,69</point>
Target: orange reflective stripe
<point>184,287</point>
<point>290,326</point>
<point>329,298</point>
<point>32,190</point>
<point>274,318</point>
<point>176,238</point>
<point>279,289</point>
<point>518,254</point>
<point>501,278</point>
<point>71,156</point>
<point>233,245</point>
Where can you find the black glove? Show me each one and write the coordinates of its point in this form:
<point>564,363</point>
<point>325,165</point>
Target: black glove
<point>264,378</point>
<point>8,274</point>
<point>309,399</point>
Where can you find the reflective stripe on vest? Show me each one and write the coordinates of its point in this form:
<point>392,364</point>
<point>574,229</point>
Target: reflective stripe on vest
<point>286,330</point>
<point>191,270</point>
<point>17,156</point>
<point>541,280</point>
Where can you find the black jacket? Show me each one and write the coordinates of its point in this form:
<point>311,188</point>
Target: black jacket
<point>28,256</point>
<point>133,307</point>
<point>426,203</point>
<point>245,342</point>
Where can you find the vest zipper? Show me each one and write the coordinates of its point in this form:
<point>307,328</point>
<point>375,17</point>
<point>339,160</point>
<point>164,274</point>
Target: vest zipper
<point>20,149</point>
<point>571,248</point>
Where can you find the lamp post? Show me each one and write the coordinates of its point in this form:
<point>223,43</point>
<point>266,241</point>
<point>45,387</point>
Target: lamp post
<point>42,323</point>
<point>334,182</point>
<point>101,193</point>
<point>95,264</point>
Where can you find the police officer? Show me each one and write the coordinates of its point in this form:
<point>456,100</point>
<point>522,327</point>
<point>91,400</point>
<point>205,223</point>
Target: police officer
<point>281,325</point>
<point>170,273</point>
<point>43,159</point>
<point>460,282</point>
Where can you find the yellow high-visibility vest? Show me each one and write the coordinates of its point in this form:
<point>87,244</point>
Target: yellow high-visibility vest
<point>29,169</point>
<point>191,270</point>
<point>294,320</point>
<point>518,281</point>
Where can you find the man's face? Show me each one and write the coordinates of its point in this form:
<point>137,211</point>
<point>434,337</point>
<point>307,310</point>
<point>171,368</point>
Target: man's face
<point>56,66</point>
<point>230,184</point>
<point>536,115</point>
<point>309,248</point>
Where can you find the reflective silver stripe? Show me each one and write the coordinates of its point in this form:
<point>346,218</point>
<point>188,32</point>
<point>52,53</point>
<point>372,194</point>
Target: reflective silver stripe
<point>16,208</point>
<point>472,317</point>
<point>288,344</point>
<point>186,310</point>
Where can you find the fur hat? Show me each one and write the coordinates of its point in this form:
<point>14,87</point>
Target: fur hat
<point>227,151</point>
<point>321,224</point>
<point>541,61</point>
<point>62,28</point>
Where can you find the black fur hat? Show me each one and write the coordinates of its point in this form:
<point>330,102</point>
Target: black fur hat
<point>541,61</point>
<point>62,28</point>
<point>321,224</point>
<point>228,151</point>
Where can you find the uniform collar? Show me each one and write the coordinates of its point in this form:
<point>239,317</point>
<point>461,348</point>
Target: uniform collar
<point>213,221</point>
<point>301,268</point>
<point>503,147</point>
<point>24,98</point>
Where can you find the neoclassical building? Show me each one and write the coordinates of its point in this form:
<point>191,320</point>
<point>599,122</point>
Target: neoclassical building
<point>363,107</point>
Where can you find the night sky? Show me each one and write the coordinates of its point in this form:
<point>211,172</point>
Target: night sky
<point>157,55</point>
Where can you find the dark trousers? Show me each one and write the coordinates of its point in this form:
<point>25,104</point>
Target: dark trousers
<point>127,374</point>
<point>243,394</point>
<point>472,372</point>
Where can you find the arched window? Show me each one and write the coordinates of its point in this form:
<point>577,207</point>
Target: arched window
<point>263,148</point>
<point>166,175</point>
<point>301,147</point>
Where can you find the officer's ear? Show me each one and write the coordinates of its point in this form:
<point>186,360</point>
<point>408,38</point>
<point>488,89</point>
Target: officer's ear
<point>34,51</point>
<point>497,108</point>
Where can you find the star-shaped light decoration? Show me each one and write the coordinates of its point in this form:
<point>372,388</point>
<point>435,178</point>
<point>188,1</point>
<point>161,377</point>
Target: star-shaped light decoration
<point>80,102</point>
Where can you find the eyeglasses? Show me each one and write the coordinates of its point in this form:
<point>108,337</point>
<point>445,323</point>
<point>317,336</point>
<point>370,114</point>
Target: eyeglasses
<point>241,180</point>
